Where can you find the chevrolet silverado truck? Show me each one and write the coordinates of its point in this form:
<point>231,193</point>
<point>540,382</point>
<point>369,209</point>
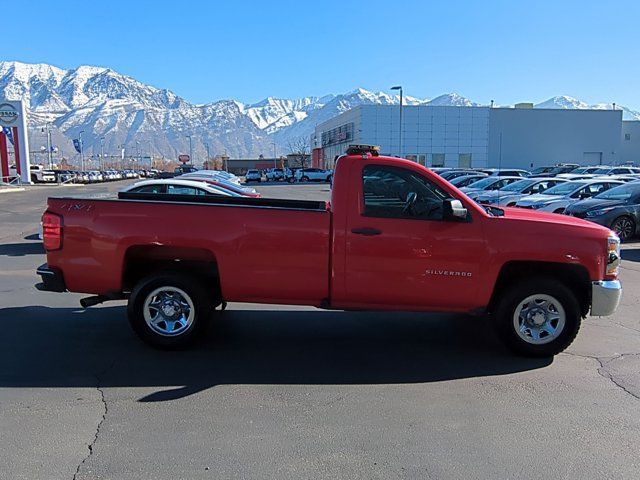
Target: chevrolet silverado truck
<point>394,237</point>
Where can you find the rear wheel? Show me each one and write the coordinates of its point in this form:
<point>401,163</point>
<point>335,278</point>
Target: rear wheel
<point>624,227</point>
<point>169,311</point>
<point>538,317</point>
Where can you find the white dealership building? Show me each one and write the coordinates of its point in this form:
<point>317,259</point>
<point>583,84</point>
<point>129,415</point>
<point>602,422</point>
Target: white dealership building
<point>520,137</point>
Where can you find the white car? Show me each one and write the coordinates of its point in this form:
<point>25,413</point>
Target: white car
<point>313,175</point>
<point>253,175</point>
<point>229,177</point>
<point>275,174</point>
<point>233,182</point>
<point>176,186</point>
<point>40,175</point>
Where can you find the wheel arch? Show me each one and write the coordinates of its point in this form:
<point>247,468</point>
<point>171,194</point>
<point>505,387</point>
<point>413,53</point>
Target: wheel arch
<point>141,261</point>
<point>573,276</point>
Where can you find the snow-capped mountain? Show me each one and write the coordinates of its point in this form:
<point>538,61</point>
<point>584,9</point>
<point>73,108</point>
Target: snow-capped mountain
<point>567,102</point>
<point>104,104</point>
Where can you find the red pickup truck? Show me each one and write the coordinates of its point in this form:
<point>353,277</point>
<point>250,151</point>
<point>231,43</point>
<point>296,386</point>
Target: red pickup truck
<point>395,236</point>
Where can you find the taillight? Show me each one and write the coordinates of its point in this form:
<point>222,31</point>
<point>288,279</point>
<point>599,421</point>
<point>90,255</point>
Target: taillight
<point>51,231</point>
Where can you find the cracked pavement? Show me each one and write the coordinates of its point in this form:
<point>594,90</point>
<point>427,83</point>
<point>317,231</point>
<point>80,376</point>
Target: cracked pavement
<point>300,393</point>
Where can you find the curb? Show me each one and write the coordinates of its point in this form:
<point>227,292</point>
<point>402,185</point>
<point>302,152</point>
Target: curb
<point>12,189</point>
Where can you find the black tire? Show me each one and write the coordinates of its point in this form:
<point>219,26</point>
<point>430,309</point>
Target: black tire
<point>511,298</point>
<point>203,306</point>
<point>292,180</point>
<point>304,179</point>
<point>624,226</point>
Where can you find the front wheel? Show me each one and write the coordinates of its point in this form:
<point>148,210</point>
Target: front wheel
<point>538,317</point>
<point>169,311</point>
<point>304,179</point>
<point>624,227</point>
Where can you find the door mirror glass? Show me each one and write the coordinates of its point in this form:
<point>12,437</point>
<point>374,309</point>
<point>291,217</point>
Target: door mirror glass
<point>454,210</point>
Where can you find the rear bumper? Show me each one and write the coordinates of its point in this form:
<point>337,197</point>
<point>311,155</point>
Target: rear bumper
<point>52,279</point>
<point>605,297</point>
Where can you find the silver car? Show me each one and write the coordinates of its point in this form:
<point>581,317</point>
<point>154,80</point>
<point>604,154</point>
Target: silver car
<point>509,195</point>
<point>558,198</point>
<point>487,184</point>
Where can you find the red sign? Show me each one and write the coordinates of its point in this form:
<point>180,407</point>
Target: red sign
<point>184,158</point>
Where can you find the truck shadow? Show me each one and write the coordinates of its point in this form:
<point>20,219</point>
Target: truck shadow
<point>65,347</point>
<point>630,254</point>
<point>21,249</point>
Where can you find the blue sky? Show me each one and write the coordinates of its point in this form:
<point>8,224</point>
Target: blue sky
<point>203,51</point>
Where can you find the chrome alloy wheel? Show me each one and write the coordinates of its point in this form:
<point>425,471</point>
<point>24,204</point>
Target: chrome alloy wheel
<point>169,311</point>
<point>539,319</point>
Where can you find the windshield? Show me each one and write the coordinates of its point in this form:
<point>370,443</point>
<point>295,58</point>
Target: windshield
<point>601,171</point>
<point>564,188</point>
<point>623,192</point>
<point>518,186</point>
<point>584,170</point>
<point>485,182</point>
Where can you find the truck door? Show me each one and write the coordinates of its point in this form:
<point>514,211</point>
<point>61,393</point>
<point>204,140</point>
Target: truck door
<point>400,251</point>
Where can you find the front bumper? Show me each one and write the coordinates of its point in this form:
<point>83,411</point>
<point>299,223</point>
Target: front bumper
<point>52,279</point>
<point>605,297</point>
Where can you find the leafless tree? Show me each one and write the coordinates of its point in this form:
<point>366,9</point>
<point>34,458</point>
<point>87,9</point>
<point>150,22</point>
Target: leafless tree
<point>299,150</point>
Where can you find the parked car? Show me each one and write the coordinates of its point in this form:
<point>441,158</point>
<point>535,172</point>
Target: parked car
<point>220,182</point>
<point>451,174</point>
<point>466,180</point>
<point>39,174</point>
<point>487,184</point>
<point>558,198</point>
<point>313,175</point>
<point>508,196</point>
<point>504,172</point>
<point>219,174</point>
<point>412,243</point>
<point>617,209</point>
<point>616,170</point>
<point>253,175</point>
<point>274,174</point>
<point>64,175</point>
<point>561,168</point>
<point>178,187</point>
<point>580,173</point>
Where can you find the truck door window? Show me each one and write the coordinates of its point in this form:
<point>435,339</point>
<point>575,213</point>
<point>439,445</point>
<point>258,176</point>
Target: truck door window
<point>393,192</point>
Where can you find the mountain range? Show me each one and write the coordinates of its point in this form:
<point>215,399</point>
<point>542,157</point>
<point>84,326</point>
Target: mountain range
<point>104,104</point>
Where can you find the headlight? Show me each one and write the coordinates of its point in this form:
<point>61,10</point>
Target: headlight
<point>599,212</point>
<point>613,255</point>
<point>536,206</point>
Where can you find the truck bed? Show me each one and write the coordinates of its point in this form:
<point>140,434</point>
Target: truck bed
<point>265,250</point>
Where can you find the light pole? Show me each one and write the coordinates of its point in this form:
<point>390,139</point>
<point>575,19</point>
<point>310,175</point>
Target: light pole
<point>399,87</point>
<point>101,153</point>
<point>81,150</point>
<point>274,155</point>
<point>190,150</point>
<point>138,152</point>
<point>48,127</point>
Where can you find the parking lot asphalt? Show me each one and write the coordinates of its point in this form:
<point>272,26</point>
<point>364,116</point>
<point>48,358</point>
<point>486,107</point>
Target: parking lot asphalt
<point>294,392</point>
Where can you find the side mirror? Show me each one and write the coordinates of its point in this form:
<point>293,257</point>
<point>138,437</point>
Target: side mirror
<point>453,209</point>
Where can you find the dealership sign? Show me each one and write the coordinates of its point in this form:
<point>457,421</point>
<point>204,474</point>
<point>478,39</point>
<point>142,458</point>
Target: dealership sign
<point>184,158</point>
<point>8,114</point>
<point>14,143</point>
